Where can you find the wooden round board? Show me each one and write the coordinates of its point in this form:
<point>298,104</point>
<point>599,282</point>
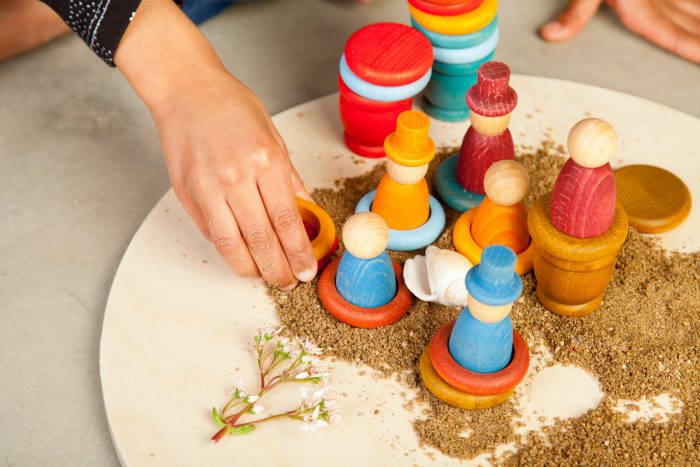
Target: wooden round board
<point>177,322</point>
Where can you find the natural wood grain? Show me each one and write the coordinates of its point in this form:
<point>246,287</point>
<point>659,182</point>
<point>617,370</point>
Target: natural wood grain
<point>583,200</point>
<point>573,273</point>
<point>403,207</point>
<point>492,95</point>
<point>410,144</point>
<point>482,384</point>
<point>321,231</point>
<point>654,199</point>
<point>592,142</point>
<point>405,175</point>
<point>359,317</point>
<point>486,313</point>
<point>389,54</point>
<point>489,126</point>
<point>365,235</point>
<point>478,153</point>
<point>506,182</point>
<point>501,225</point>
<point>454,397</point>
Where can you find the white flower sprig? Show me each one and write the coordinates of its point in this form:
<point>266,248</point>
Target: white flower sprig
<point>279,361</point>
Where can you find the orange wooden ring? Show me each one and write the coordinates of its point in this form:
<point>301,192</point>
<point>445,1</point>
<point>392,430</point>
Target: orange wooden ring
<point>357,316</point>
<point>452,396</point>
<point>483,384</point>
<point>325,242</point>
<point>464,243</point>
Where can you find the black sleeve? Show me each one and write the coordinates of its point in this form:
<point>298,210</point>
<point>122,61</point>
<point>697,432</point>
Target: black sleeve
<point>100,23</point>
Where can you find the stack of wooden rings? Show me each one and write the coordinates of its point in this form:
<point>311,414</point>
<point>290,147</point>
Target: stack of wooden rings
<point>476,361</point>
<point>383,66</point>
<point>464,35</point>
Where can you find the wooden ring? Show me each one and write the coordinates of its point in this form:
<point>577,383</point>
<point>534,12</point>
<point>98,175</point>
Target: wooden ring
<point>456,25</point>
<point>452,396</point>
<point>482,384</point>
<point>464,243</point>
<point>359,317</point>
<point>450,191</point>
<point>325,242</point>
<point>446,9</point>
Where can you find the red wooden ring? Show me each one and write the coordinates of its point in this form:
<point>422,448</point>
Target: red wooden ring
<point>357,316</point>
<point>470,381</point>
<point>446,8</point>
<point>370,104</point>
<point>389,54</point>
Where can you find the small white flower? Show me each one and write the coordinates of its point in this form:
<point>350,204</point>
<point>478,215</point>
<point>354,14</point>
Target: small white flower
<point>328,403</point>
<point>310,348</point>
<point>302,375</point>
<point>252,398</point>
<point>316,413</point>
<point>257,408</point>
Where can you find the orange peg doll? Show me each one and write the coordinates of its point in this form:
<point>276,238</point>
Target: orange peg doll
<point>415,218</point>
<point>402,197</point>
<point>500,219</point>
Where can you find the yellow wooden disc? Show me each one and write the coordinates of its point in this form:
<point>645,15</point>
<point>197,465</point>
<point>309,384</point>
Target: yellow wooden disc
<point>654,199</point>
<point>457,25</point>
<point>452,396</point>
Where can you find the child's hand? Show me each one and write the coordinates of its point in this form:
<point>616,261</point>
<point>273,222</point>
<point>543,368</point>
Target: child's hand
<point>227,163</point>
<point>671,24</point>
<point>229,168</point>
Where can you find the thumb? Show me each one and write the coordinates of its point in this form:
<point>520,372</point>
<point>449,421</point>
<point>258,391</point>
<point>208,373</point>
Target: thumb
<point>570,22</point>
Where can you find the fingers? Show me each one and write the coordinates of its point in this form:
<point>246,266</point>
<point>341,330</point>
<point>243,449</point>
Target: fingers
<point>224,233</point>
<point>665,31</point>
<point>570,22</point>
<point>298,187</point>
<point>275,186</point>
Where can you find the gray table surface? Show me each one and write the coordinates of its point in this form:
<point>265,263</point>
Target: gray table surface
<point>80,168</point>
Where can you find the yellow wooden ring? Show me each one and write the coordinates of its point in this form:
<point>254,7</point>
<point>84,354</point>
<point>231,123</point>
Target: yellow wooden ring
<point>452,396</point>
<point>314,215</point>
<point>457,25</point>
<point>464,243</point>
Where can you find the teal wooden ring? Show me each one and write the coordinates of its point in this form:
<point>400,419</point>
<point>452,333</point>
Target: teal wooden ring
<point>381,93</point>
<point>457,42</point>
<point>460,69</point>
<point>414,239</point>
<point>445,115</point>
<point>449,189</point>
<point>469,54</point>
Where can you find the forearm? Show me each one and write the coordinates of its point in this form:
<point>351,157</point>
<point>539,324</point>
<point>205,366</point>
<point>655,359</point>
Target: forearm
<point>163,53</point>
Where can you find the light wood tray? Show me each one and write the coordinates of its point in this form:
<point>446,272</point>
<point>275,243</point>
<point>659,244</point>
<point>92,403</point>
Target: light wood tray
<point>177,323</point>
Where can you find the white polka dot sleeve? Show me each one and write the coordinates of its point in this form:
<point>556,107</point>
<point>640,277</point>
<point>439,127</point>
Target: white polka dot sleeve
<point>100,23</point>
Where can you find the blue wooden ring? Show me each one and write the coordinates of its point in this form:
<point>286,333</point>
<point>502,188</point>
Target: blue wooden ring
<point>414,239</point>
<point>449,189</point>
<point>457,42</point>
<point>469,54</point>
<point>381,93</point>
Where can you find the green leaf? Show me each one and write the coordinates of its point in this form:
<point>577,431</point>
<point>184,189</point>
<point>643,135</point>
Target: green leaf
<point>241,430</point>
<point>216,417</point>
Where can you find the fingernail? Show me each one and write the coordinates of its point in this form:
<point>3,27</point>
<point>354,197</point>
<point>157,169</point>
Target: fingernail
<point>554,26</point>
<point>307,275</point>
<point>289,288</point>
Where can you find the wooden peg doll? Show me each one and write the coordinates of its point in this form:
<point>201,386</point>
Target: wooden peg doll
<point>578,230</point>
<point>402,199</point>
<point>477,361</point>
<point>365,288</point>
<point>500,219</point>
